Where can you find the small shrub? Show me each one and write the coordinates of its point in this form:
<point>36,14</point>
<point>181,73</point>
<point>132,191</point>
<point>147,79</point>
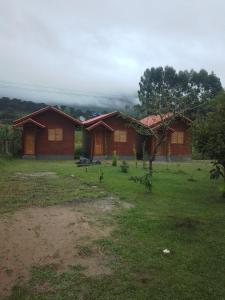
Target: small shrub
<point>146,180</point>
<point>114,159</point>
<point>124,167</point>
<point>100,175</point>
<point>217,171</point>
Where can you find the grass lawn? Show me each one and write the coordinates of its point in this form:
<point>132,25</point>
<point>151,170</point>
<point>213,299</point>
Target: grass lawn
<point>184,213</point>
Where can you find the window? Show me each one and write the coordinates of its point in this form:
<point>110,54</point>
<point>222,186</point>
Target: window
<point>120,136</point>
<point>55,134</point>
<point>177,137</point>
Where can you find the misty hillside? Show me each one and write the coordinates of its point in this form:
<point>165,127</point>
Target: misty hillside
<point>11,109</point>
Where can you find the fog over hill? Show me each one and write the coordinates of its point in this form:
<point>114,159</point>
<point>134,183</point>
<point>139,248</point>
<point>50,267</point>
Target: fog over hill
<point>59,96</point>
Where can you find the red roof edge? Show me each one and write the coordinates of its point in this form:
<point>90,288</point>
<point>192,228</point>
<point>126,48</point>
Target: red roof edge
<point>29,121</point>
<point>99,118</point>
<point>100,123</point>
<point>155,120</point>
<point>77,122</point>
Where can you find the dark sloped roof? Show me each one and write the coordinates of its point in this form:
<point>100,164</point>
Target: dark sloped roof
<point>99,118</point>
<point>48,108</point>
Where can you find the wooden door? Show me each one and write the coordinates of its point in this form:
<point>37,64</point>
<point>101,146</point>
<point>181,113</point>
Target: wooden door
<point>99,143</point>
<point>29,143</point>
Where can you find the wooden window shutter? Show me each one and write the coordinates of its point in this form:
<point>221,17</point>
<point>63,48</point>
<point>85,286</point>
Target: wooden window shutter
<point>51,134</point>
<point>55,134</point>
<point>58,134</point>
<point>120,136</point>
<point>177,137</point>
<point>180,138</point>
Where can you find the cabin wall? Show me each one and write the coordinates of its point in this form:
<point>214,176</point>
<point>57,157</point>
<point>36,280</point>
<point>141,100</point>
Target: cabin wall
<point>54,149</point>
<point>185,148</point>
<point>124,149</point>
<point>168,151</point>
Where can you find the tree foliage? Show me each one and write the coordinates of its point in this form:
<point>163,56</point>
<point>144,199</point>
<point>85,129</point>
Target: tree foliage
<point>209,135</point>
<point>165,89</point>
<point>10,140</point>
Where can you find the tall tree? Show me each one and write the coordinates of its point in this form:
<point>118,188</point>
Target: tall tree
<point>209,136</point>
<point>164,89</point>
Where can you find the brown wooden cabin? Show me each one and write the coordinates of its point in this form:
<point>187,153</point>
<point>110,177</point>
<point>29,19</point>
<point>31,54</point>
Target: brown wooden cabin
<point>104,134</point>
<point>177,145</point>
<point>48,133</point>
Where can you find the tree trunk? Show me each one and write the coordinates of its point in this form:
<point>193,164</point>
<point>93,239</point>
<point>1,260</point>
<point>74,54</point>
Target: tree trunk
<point>150,164</point>
<point>143,153</point>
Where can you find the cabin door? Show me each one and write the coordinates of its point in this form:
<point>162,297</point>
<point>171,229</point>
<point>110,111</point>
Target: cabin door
<point>99,142</point>
<point>29,148</point>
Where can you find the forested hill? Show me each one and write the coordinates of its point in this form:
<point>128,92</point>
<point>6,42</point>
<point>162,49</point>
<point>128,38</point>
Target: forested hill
<point>11,109</point>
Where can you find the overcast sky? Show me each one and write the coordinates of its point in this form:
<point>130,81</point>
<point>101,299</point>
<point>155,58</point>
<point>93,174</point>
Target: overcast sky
<point>79,51</point>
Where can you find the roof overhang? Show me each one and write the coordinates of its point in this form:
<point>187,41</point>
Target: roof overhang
<point>100,123</point>
<point>26,121</point>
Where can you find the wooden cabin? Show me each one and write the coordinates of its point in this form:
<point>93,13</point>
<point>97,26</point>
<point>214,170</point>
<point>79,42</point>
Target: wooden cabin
<point>48,134</point>
<point>104,134</point>
<point>177,145</point>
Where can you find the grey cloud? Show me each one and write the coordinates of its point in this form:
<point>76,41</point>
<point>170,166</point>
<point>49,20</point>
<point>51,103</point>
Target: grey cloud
<point>101,48</point>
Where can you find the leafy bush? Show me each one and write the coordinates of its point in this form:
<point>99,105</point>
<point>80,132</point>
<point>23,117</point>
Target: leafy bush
<point>124,167</point>
<point>217,171</point>
<point>114,159</point>
<point>10,140</point>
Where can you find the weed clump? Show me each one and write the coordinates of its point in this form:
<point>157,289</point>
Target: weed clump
<point>146,180</point>
<point>100,175</point>
<point>124,167</point>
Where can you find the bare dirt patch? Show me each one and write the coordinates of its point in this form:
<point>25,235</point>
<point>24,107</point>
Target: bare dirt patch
<point>36,175</point>
<point>57,235</point>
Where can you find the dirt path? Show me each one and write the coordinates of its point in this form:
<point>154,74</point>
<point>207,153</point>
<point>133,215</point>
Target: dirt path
<point>53,235</point>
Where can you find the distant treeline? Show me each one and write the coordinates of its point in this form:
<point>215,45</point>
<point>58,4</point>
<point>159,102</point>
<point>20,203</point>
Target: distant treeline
<point>12,109</point>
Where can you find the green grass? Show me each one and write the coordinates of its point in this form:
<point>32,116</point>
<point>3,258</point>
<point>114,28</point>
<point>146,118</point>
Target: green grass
<point>184,213</point>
